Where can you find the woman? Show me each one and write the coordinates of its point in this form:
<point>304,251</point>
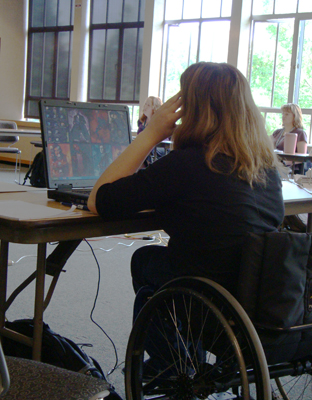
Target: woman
<point>292,123</point>
<point>219,183</point>
<point>151,105</point>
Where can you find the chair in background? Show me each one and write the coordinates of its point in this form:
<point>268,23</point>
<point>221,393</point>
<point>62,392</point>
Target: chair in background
<point>33,380</point>
<point>11,140</point>
<point>35,144</point>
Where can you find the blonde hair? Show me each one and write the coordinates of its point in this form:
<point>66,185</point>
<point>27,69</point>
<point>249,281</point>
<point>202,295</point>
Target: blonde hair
<point>220,116</point>
<point>296,111</point>
<point>156,102</point>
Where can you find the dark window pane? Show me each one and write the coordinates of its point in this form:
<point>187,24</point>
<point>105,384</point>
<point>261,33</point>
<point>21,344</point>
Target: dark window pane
<point>62,84</point>
<point>142,10</point>
<point>64,12</point>
<point>128,64</point>
<point>131,11</point>
<point>99,11</point>
<point>51,13</point>
<point>97,64</point>
<point>37,13</point>
<point>36,64</point>
<point>111,67</point>
<point>138,67</point>
<point>33,108</point>
<point>114,11</point>
<point>48,63</point>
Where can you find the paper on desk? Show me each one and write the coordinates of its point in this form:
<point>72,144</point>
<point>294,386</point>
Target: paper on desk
<point>21,210</point>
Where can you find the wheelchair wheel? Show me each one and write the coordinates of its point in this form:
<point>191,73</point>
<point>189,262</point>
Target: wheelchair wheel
<point>187,343</point>
<point>293,387</point>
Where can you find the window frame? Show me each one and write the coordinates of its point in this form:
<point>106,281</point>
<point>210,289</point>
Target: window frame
<point>168,24</point>
<point>295,63</point>
<point>44,30</point>
<point>121,27</point>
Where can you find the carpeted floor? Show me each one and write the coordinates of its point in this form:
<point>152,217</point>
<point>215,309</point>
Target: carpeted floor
<point>74,298</point>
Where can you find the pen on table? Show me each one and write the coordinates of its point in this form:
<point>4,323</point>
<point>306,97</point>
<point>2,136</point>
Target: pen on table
<point>80,206</point>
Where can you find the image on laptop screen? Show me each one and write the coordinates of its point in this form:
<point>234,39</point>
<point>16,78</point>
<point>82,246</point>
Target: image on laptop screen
<point>81,140</point>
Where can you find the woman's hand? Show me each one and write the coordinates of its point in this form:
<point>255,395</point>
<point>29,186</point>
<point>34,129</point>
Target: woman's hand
<point>160,127</point>
<point>162,123</point>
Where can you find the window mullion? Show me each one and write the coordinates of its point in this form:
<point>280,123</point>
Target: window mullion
<point>136,64</point>
<point>252,41</point>
<point>43,64</point>
<point>274,65</point>
<point>119,63</point>
<point>293,62</point>
<point>55,65</point>
<point>299,61</point>
<point>104,69</point>
<point>57,12</point>
<point>163,72</point>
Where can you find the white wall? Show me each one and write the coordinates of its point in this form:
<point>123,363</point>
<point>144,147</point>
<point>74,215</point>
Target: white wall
<point>12,59</point>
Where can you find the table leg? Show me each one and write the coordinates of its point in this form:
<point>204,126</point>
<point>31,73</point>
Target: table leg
<point>309,223</point>
<point>39,299</point>
<point>292,170</point>
<point>4,252</point>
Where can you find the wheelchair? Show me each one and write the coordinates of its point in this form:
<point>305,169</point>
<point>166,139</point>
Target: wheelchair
<point>194,340</point>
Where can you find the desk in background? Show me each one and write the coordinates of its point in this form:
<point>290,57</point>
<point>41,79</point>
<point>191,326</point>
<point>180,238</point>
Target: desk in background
<point>301,158</point>
<point>22,132</point>
<point>297,201</point>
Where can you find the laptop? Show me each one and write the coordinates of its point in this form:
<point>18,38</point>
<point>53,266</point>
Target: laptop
<point>80,140</point>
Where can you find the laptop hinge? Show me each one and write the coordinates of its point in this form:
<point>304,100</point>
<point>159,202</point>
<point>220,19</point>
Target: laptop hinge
<point>65,187</point>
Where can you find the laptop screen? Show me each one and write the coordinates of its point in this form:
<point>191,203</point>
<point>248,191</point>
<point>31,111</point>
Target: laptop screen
<point>80,140</point>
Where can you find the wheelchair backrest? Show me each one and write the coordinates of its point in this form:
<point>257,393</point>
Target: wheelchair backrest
<point>275,280</point>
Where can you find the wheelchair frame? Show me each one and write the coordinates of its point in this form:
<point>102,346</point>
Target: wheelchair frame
<point>213,348</point>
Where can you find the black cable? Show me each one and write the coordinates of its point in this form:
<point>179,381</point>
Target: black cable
<point>94,304</point>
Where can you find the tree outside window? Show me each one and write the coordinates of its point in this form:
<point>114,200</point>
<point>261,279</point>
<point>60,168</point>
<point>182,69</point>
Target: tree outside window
<point>194,30</point>
<point>280,58</point>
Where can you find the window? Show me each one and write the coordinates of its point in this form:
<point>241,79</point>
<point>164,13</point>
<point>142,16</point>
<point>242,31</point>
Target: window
<point>116,41</point>
<point>194,30</point>
<point>49,52</point>
<point>280,58</point>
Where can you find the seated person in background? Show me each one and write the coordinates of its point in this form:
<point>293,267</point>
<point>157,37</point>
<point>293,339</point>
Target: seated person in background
<point>219,182</point>
<point>292,123</point>
<point>151,105</point>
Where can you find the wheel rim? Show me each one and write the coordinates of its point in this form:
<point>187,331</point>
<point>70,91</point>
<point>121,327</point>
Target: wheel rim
<point>184,374</point>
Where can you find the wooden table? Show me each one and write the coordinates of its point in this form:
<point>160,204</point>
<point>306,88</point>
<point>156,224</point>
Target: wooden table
<point>69,232</point>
